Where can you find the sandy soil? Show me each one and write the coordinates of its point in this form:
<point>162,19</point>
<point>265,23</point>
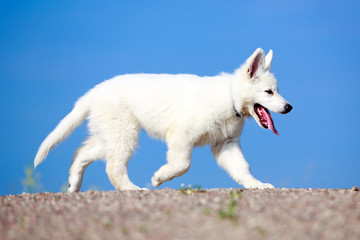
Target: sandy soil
<point>173,214</point>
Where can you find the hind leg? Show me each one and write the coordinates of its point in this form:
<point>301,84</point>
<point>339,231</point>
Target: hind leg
<point>120,145</point>
<point>91,150</point>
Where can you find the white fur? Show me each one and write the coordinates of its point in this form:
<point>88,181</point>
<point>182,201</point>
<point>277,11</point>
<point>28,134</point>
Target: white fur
<point>184,110</point>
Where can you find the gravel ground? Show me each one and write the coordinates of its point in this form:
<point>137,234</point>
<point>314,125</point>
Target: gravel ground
<point>173,214</point>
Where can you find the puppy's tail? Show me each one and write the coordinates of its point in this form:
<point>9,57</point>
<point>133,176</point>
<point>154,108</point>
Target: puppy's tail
<point>63,129</point>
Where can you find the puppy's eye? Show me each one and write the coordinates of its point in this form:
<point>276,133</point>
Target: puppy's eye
<point>269,92</point>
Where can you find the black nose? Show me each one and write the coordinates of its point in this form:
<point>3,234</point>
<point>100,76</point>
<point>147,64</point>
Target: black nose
<point>287,108</point>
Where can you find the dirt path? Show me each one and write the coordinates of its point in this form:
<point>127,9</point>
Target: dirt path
<point>171,214</point>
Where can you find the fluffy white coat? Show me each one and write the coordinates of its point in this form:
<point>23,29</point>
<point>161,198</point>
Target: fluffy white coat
<point>184,110</point>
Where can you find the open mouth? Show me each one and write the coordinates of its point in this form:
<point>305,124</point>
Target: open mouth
<point>265,117</point>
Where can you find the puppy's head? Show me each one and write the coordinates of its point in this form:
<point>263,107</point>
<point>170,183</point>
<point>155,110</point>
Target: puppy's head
<point>261,91</point>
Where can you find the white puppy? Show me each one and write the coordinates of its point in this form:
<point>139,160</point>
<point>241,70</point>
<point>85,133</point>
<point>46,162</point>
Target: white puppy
<point>184,110</point>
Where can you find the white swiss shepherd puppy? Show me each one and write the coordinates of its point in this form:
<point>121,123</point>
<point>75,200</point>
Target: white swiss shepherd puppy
<point>184,110</point>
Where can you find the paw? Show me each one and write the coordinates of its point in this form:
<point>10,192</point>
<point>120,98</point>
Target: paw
<point>128,187</point>
<point>73,188</point>
<point>266,186</point>
<point>155,181</point>
<point>256,184</point>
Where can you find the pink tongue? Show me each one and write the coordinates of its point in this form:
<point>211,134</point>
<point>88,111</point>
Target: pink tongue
<point>269,120</point>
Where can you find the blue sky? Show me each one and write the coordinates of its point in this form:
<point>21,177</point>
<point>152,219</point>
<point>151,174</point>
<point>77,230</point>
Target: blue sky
<point>52,52</point>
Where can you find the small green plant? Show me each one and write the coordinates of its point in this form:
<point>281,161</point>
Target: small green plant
<point>31,182</point>
<point>191,189</point>
<point>21,222</point>
<point>107,223</point>
<point>143,228</point>
<point>206,211</point>
<point>230,210</point>
<point>167,211</point>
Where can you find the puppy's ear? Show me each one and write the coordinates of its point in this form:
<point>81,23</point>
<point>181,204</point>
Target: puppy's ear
<point>268,60</point>
<point>255,63</point>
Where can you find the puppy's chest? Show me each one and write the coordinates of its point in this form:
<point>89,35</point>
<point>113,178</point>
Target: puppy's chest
<point>219,131</point>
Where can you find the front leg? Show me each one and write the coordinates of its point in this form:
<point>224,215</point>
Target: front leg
<point>230,157</point>
<point>179,159</point>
